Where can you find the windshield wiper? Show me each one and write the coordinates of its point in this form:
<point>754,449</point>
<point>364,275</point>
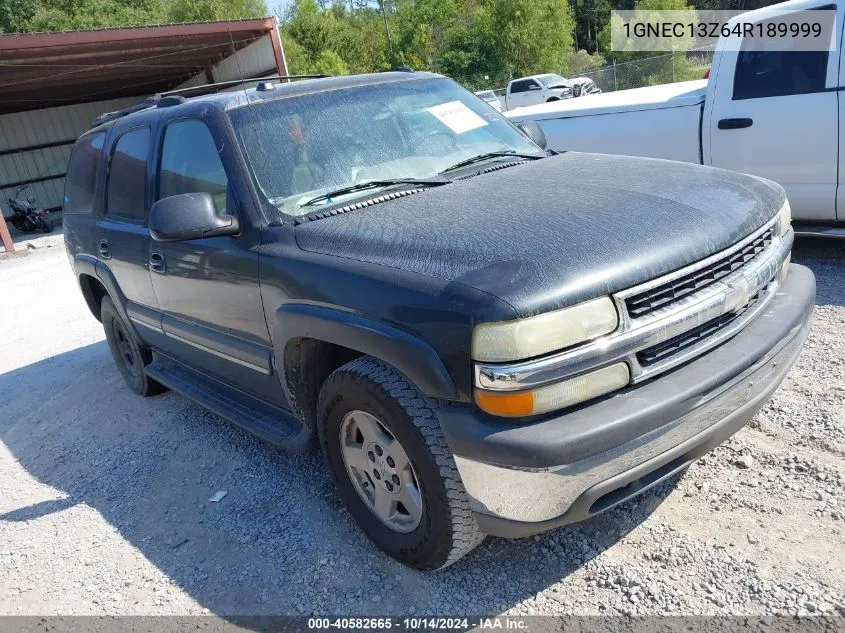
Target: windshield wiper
<point>371,184</point>
<point>477,159</point>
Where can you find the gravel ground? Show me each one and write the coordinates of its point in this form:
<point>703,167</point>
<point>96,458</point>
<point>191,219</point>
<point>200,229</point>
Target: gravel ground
<point>105,499</point>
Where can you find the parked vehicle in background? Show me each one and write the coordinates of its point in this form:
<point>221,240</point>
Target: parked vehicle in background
<point>483,338</point>
<point>774,114</point>
<point>583,86</point>
<point>488,96</point>
<point>527,91</point>
<point>26,217</point>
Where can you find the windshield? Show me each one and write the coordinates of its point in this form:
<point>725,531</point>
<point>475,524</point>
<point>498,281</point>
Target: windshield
<point>554,81</point>
<point>302,147</point>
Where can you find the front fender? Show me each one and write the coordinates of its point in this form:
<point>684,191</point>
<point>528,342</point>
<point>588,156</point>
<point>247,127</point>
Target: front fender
<point>407,353</point>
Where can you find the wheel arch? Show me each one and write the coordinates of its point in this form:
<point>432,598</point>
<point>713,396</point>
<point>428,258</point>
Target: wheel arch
<point>313,341</point>
<point>93,292</point>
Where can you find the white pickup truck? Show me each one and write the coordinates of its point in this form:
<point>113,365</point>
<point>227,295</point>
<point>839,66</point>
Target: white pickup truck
<point>527,91</point>
<point>773,114</point>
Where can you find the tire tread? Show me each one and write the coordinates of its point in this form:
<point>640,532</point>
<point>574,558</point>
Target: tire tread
<point>421,411</point>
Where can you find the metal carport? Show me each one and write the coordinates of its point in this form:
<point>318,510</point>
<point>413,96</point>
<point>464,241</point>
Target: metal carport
<point>52,85</point>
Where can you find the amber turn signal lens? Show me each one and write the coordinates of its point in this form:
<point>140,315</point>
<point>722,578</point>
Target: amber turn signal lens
<point>504,403</point>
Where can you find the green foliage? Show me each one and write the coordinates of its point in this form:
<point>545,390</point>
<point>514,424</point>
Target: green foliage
<point>16,14</point>
<point>581,61</point>
<point>202,10</point>
<point>330,63</point>
<point>23,16</point>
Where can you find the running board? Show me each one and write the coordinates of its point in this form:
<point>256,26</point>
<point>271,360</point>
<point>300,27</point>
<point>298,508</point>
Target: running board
<point>819,231</point>
<point>269,422</point>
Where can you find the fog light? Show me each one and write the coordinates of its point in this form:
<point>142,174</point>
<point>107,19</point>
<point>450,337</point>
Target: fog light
<point>555,396</point>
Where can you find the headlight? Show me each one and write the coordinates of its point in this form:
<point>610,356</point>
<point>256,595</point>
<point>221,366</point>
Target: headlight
<point>544,333</point>
<point>785,216</point>
<point>555,396</point>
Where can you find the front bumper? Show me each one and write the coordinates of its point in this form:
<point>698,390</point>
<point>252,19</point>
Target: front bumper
<point>525,479</point>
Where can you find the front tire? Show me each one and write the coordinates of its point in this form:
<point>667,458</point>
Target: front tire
<point>393,467</point>
<point>128,355</point>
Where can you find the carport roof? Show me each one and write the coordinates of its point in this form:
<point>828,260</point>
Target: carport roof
<point>41,70</point>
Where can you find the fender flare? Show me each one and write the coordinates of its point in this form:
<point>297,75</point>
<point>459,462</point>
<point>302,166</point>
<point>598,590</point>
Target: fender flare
<point>407,353</point>
<point>91,266</point>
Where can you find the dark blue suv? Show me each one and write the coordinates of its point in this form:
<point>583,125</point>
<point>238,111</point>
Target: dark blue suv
<point>483,337</point>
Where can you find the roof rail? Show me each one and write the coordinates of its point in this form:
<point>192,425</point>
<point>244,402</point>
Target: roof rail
<point>161,98</point>
<point>149,102</point>
<point>207,88</point>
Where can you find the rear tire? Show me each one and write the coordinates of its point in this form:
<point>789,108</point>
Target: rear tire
<point>550,99</point>
<point>367,394</point>
<point>128,355</point>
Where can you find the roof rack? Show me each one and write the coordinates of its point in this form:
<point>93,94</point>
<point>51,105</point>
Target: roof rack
<point>172,97</point>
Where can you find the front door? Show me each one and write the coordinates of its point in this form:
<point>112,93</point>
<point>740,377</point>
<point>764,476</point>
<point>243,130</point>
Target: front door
<point>207,289</point>
<point>775,114</point>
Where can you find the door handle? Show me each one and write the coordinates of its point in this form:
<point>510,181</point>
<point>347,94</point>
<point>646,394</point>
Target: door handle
<point>735,124</point>
<point>105,251</point>
<point>157,262</point>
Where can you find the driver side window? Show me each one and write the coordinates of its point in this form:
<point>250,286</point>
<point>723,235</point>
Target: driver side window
<point>190,163</point>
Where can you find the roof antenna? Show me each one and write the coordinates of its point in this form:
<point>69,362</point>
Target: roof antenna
<point>238,63</point>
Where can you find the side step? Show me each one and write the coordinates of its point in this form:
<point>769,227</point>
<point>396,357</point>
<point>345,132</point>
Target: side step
<point>269,422</point>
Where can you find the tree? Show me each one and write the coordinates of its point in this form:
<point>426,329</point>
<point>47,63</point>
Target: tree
<point>526,37</point>
<point>330,63</point>
<point>59,15</point>
<point>15,15</point>
<point>203,10</point>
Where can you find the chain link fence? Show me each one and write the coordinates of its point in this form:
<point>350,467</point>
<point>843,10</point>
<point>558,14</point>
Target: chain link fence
<point>648,71</point>
<point>651,71</point>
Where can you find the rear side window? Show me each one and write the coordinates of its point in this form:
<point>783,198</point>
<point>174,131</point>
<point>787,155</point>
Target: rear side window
<point>82,174</point>
<point>190,163</point>
<point>127,188</point>
<point>519,86</point>
<point>770,73</point>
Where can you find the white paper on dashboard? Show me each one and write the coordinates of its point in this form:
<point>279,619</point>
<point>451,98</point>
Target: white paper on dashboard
<point>457,116</point>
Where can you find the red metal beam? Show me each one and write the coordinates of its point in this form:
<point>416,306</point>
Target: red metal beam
<point>278,53</point>
<point>8,244</point>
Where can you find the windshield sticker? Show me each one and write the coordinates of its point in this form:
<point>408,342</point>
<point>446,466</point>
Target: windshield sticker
<point>457,117</point>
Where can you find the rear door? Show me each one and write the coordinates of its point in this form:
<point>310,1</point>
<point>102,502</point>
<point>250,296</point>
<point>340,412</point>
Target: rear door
<point>775,114</point>
<point>123,240</point>
<point>208,289</point>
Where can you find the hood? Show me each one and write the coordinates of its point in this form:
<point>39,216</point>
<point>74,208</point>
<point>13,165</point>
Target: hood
<point>556,231</point>
<point>684,93</point>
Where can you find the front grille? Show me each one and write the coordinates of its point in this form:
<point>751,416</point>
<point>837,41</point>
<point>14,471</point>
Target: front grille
<point>672,346</point>
<point>648,301</point>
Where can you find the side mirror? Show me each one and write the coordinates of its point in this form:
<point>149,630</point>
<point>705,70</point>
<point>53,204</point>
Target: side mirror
<point>189,216</point>
<point>532,130</point>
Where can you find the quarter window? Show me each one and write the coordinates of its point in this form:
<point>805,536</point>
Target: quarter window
<point>82,174</point>
<point>127,186</point>
<point>190,163</point>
